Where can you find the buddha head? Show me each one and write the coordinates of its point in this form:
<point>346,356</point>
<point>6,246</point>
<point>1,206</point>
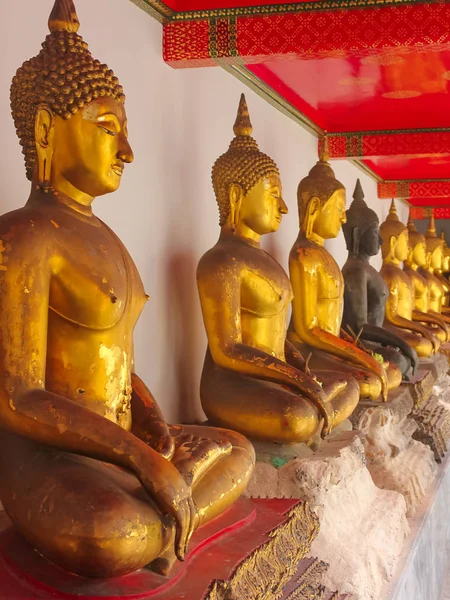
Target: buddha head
<point>362,228</point>
<point>435,246</point>
<point>69,114</point>
<point>321,200</point>
<point>417,255</point>
<point>247,183</point>
<point>395,237</point>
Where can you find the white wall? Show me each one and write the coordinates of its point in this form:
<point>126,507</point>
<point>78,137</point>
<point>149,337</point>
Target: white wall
<point>180,121</point>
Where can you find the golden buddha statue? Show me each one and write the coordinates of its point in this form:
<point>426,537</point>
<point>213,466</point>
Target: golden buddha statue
<point>90,473</point>
<point>366,292</point>
<point>417,257</point>
<point>400,302</point>
<point>446,259</point>
<point>319,287</point>
<point>253,379</point>
<point>439,273</point>
<point>434,259</point>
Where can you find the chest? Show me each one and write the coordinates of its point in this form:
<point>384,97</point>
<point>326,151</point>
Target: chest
<point>94,281</point>
<point>376,286</point>
<point>265,287</point>
<point>329,277</point>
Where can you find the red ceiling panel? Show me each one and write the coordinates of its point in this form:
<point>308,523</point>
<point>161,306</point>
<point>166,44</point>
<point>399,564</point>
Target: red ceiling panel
<point>353,94</point>
<point>401,167</point>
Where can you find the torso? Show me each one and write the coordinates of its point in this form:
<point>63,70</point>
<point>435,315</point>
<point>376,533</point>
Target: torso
<point>420,286</point>
<point>95,299</point>
<point>400,289</point>
<point>265,294</point>
<point>436,291</point>
<point>330,284</point>
<point>356,269</point>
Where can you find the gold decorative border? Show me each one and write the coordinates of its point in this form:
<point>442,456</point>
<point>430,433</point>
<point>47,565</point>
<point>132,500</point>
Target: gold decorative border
<point>267,9</point>
<point>390,131</point>
<point>156,9</point>
<point>266,571</point>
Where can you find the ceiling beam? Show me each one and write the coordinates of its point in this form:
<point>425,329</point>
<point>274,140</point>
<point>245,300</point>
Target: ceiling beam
<point>376,144</point>
<point>306,34</point>
<point>439,188</point>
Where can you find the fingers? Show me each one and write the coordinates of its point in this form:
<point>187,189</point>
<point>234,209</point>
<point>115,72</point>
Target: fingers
<point>327,411</point>
<point>193,523</point>
<point>182,518</point>
<point>167,447</point>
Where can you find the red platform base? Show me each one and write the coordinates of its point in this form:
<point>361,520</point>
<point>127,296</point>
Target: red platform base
<point>217,550</point>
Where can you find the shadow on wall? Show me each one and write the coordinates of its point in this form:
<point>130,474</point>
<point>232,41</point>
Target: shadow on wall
<point>182,331</point>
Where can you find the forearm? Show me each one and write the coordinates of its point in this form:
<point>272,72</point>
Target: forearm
<point>293,356</point>
<point>144,407</point>
<point>432,318</point>
<point>379,335</point>
<point>256,363</point>
<point>56,421</point>
<point>148,422</point>
<point>342,349</point>
<point>407,324</point>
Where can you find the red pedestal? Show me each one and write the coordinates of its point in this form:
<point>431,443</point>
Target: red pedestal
<point>216,550</point>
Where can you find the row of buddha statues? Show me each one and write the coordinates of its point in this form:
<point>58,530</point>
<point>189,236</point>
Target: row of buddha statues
<point>90,473</point>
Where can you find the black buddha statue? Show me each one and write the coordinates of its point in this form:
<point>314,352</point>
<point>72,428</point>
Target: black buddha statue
<point>365,289</point>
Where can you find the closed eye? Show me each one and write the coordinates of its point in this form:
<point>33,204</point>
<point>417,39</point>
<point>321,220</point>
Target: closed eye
<point>108,131</point>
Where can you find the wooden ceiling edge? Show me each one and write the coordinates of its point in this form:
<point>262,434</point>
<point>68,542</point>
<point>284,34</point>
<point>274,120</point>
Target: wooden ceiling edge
<point>156,9</point>
<point>161,11</point>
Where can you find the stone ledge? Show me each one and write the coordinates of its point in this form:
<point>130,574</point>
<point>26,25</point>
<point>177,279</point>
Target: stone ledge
<point>362,526</point>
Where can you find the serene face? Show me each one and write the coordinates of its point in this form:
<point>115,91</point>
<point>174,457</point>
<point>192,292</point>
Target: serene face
<point>436,258</point>
<point>262,208</point>
<point>331,217</point>
<point>402,248</point>
<point>91,149</point>
<point>420,254</point>
<point>370,241</point>
<point>446,263</point>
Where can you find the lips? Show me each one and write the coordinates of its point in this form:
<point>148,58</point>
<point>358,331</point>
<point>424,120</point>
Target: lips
<point>118,169</point>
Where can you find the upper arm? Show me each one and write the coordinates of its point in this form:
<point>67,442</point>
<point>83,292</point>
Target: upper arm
<point>304,284</point>
<point>219,282</point>
<point>24,299</point>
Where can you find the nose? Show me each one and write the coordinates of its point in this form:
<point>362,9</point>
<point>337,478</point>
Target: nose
<point>283,207</point>
<point>380,240</point>
<point>344,217</point>
<point>125,153</point>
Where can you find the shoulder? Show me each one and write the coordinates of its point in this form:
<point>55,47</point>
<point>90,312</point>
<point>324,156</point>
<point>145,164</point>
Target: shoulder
<point>25,224</point>
<point>219,260</point>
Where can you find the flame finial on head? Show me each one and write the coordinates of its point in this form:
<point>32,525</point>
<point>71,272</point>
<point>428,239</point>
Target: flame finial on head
<point>411,224</point>
<point>358,193</point>
<point>243,125</point>
<point>433,241</point>
<point>324,149</point>
<point>431,231</point>
<point>63,17</point>
<point>392,216</point>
